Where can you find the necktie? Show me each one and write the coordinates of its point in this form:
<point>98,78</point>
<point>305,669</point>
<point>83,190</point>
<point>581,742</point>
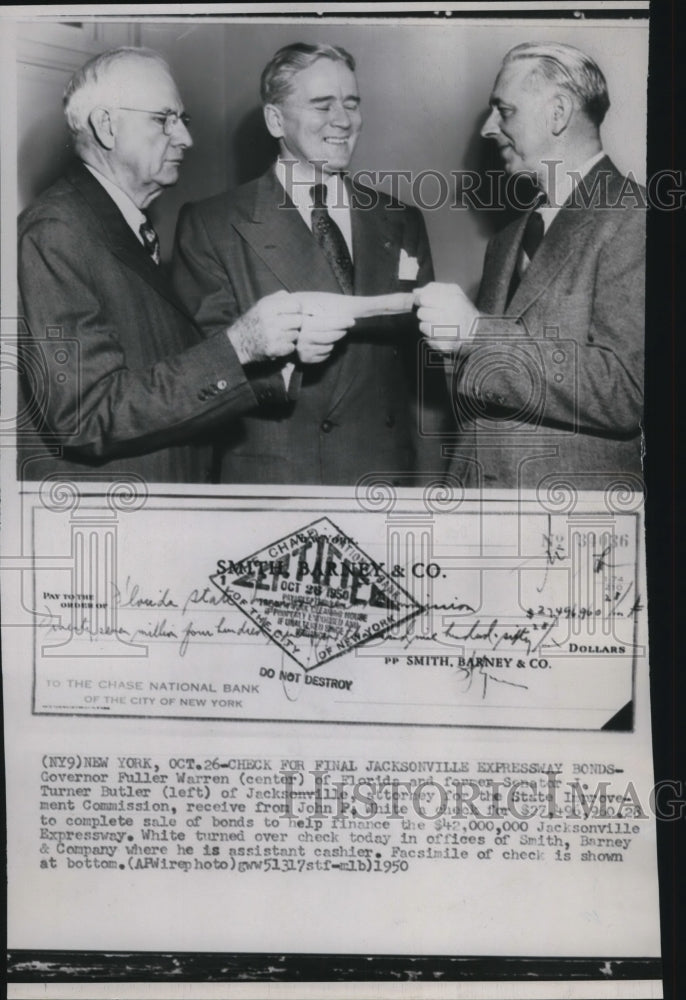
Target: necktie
<point>534,232</point>
<point>331,240</point>
<point>150,240</point>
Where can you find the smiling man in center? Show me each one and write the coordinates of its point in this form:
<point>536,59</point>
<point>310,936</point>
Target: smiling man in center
<point>304,226</point>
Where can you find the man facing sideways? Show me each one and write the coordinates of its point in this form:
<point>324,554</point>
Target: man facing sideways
<point>304,226</point>
<point>116,374</point>
<point>547,377</point>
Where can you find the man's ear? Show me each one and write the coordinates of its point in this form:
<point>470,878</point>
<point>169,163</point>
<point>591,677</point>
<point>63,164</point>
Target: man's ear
<point>273,119</point>
<point>100,122</point>
<point>560,112</point>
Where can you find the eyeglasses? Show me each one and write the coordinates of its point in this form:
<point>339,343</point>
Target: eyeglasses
<point>167,119</point>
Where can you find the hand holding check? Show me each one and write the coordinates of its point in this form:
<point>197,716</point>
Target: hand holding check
<point>309,323</point>
<point>326,318</point>
<point>268,330</point>
<point>446,315</point>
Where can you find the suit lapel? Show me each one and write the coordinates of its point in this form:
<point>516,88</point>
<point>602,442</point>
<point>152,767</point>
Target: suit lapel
<point>560,242</point>
<point>280,238</point>
<point>493,293</point>
<point>376,249</point>
<point>118,236</point>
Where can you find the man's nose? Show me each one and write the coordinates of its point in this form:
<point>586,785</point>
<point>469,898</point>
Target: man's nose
<point>491,127</point>
<point>181,136</point>
<point>340,116</point>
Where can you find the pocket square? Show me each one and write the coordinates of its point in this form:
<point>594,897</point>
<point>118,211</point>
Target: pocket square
<point>408,267</point>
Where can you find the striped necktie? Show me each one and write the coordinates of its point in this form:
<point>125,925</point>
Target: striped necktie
<point>150,240</point>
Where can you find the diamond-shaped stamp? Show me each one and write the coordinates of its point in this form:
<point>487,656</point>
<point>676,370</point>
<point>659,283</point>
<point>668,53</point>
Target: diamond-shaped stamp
<point>316,594</point>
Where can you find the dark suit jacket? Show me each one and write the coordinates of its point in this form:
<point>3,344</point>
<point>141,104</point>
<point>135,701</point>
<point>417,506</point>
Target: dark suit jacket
<point>116,375</point>
<point>351,414</point>
<point>554,383</point>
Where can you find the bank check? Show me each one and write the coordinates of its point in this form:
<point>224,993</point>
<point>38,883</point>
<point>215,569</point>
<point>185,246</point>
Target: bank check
<point>419,616</point>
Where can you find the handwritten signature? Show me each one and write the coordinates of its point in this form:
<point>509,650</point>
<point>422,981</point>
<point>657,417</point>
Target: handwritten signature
<point>470,672</point>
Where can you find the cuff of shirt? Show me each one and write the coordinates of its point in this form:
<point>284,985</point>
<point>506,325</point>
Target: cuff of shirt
<point>269,389</point>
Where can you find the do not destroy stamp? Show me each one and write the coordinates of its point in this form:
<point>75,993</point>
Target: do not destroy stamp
<point>315,593</point>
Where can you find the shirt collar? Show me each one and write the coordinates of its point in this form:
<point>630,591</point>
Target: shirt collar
<point>131,212</point>
<point>297,178</point>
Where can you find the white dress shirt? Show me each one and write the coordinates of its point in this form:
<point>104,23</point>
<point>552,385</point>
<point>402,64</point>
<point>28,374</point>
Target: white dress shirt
<point>297,179</point>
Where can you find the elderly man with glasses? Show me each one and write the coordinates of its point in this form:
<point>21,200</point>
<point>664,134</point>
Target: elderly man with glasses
<point>115,375</point>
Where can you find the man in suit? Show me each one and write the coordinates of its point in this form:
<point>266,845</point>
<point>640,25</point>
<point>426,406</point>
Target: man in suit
<point>547,375</point>
<point>116,376</point>
<point>303,226</point>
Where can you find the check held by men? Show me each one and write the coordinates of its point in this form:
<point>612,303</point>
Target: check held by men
<point>116,376</point>
<point>547,366</point>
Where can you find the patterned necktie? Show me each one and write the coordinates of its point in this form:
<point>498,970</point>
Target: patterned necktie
<point>534,232</point>
<point>150,240</point>
<point>331,240</point>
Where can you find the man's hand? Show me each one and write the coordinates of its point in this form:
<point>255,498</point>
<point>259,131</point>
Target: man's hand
<point>319,335</point>
<point>326,320</point>
<point>446,315</point>
<point>269,330</point>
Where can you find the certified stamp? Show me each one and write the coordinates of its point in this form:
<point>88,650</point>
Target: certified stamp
<point>315,593</point>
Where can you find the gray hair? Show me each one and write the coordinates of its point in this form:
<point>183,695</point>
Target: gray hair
<point>88,87</point>
<point>571,69</point>
<point>275,82</point>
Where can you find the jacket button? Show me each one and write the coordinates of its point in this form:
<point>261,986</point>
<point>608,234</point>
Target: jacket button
<point>202,395</point>
<point>222,384</point>
<point>390,420</point>
<point>326,426</point>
